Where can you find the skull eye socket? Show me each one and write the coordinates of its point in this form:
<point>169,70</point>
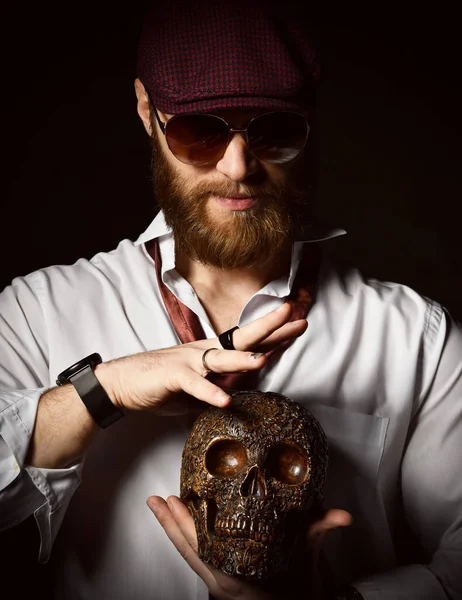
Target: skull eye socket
<point>288,464</point>
<point>225,458</point>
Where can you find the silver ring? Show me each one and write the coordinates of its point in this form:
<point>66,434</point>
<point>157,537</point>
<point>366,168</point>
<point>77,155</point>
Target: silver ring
<point>204,361</point>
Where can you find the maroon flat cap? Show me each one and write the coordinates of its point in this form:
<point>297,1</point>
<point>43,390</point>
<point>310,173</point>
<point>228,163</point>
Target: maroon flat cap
<point>206,55</point>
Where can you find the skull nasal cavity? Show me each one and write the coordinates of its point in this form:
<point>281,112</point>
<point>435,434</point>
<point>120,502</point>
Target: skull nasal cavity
<point>254,484</point>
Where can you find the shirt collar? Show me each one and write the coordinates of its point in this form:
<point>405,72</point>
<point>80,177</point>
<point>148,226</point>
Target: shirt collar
<point>315,231</point>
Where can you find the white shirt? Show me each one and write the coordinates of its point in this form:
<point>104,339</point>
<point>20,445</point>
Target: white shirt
<point>379,366</point>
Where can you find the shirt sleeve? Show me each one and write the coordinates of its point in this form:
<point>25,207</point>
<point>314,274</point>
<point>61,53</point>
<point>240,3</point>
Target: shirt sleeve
<point>24,377</point>
<point>431,479</point>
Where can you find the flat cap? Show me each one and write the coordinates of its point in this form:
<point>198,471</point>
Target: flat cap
<point>205,55</point>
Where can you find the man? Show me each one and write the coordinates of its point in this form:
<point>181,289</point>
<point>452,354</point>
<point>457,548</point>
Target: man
<point>226,91</point>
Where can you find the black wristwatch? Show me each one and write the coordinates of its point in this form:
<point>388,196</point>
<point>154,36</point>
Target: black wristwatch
<point>97,402</point>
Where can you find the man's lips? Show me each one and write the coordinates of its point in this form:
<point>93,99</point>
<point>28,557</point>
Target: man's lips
<point>236,203</point>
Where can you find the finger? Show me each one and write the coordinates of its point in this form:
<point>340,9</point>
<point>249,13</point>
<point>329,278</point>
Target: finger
<point>252,334</point>
<point>196,385</point>
<point>264,334</point>
<point>220,585</point>
<point>163,514</point>
<point>287,332</point>
<point>202,389</point>
<point>233,361</point>
<point>332,519</point>
<point>184,520</point>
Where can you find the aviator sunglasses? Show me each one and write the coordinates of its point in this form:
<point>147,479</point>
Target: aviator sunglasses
<point>200,139</point>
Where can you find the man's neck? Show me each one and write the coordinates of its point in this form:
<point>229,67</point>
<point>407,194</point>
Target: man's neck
<point>251,278</point>
<point>214,287</point>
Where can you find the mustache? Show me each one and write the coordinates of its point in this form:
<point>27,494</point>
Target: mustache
<point>269,190</point>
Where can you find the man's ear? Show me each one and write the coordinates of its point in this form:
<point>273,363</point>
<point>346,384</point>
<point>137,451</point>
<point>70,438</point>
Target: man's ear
<point>143,105</point>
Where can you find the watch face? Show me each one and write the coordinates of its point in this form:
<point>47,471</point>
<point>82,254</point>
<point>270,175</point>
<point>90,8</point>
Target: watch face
<point>88,362</point>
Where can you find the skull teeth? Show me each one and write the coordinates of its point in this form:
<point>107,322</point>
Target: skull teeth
<point>244,528</point>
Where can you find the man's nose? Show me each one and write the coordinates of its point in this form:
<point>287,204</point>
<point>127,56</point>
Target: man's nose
<point>237,163</point>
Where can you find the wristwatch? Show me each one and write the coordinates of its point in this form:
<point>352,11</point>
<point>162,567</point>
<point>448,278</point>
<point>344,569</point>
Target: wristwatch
<point>91,392</point>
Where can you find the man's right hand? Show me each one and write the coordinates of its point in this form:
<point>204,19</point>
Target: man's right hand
<point>156,379</point>
<point>168,381</point>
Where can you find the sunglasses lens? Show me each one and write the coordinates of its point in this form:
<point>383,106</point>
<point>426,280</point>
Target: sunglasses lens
<point>277,137</point>
<point>197,139</point>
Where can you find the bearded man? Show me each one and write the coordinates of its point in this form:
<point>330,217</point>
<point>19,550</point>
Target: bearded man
<point>105,363</point>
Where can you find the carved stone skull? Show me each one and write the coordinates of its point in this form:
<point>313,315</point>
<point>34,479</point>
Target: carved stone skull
<point>251,474</point>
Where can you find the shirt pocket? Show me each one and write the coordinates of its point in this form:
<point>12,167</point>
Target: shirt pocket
<point>356,445</point>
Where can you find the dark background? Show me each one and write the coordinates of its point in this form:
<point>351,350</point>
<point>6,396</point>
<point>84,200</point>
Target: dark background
<point>76,158</point>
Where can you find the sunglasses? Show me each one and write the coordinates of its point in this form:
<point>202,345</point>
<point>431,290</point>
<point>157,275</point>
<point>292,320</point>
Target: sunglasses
<point>201,139</point>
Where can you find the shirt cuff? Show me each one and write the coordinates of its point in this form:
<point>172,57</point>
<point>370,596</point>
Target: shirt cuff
<point>18,410</point>
<point>24,489</point>
<point>58,487</point>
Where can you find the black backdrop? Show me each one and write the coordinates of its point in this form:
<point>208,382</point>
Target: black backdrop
<point>76,158</point>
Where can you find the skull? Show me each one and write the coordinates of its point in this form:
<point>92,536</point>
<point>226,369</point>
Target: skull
<point>251,476</point>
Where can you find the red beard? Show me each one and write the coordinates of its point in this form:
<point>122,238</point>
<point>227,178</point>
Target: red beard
<point>243,239</point>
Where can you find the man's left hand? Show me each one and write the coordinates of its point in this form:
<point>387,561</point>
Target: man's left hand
<point>175,518</point>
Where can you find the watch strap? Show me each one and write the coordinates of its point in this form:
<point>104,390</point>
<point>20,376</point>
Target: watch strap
<point>96,400</point>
